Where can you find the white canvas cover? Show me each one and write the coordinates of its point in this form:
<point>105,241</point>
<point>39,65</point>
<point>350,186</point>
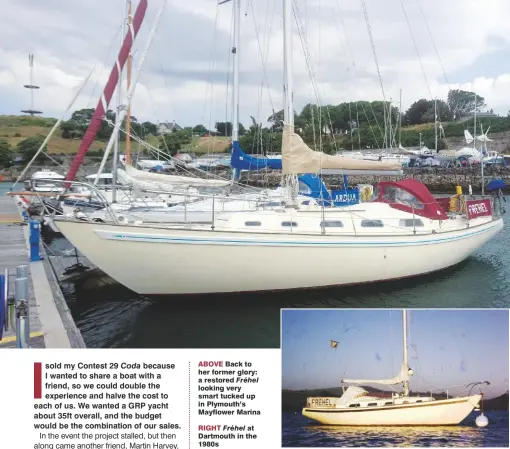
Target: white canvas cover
<point>298,157</point>
<point>402,376</point>
<point>158,181</point>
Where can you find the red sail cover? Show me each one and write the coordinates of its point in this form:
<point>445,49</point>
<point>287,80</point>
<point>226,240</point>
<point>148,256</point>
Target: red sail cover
<point>104,101</point>
<point>478,208</point>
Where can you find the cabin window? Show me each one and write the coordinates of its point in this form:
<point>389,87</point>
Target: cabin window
<point>306,203</point>
<point>372,224</point>
<point>388,403</point>
<point>289,224</point>
<point>354,405</point>
<point>410,223</point>
<point>252,223</point>
<point>419,401</point>
<point>372,404</point>
<point>332,224</point>
<point>397,195</point>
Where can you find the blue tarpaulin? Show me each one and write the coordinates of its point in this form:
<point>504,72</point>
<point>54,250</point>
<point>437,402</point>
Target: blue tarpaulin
<point>242,161</point>
<point>496,184</point>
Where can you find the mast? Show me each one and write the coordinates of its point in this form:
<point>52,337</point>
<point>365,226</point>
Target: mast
<point>128,115</point>
<point>102,105</point>
<point>390,125</point>
<point>235,55</point>
<point>435,124</point>
<point>406,362</point>
<point>131,91</point>
<point>117,137</point>
<point>400,121</point>
<point>236,4</point>
<point>288,107</point>
<point>481,151</point>
<point>288,110</point>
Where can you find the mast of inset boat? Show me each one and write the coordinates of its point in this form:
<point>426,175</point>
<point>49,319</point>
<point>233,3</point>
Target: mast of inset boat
<point>406,362</point>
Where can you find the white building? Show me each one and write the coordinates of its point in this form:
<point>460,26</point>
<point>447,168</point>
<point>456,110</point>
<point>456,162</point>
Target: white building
<point>167,128</point>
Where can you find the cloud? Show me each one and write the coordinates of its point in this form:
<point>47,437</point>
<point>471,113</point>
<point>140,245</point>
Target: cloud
<point>186,71</point>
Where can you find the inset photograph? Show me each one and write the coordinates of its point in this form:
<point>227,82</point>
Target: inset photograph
<point>389,377</point>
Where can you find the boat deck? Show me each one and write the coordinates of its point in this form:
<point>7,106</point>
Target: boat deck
<point>50,321</point>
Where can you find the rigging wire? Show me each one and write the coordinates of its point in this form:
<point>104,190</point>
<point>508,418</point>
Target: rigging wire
<point>210,82</point>
<point>350,55</point>
<point>434,44</point>
<point>372,44</point>
<point>306,52</point>
<point>416,48</point>
<point>264,59</point>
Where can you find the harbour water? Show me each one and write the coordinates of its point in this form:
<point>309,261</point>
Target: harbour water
<point>113,316</point>
<point>299,431</point>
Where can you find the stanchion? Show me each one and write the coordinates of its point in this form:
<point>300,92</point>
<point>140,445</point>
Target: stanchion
<point>22,324</point>
<point>21,293</point>
<point>6,300</point>
<point>3,300</point>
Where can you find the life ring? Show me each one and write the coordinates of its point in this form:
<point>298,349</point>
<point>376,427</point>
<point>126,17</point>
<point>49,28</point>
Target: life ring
<point>365,193</point>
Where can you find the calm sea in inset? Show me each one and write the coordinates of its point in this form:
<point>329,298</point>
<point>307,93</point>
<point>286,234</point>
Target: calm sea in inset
<point>299,431</point>
<point>113,316</point>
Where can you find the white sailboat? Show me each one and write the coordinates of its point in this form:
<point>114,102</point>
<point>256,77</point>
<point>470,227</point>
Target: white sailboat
<point>356,407</point>
<point>403,232</point>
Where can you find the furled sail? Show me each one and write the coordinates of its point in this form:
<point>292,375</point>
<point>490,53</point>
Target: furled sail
<point>402,376</point>
<point>102,105</point>
<point>298,157</point>
<point>157,181</point>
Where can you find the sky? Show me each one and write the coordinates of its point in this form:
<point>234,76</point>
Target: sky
<point>187,69</point>
<point>447,348</point>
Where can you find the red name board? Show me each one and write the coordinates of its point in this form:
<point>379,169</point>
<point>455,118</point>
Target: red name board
<point>478,208</point>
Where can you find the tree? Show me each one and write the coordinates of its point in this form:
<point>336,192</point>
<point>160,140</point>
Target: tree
<point>225,128</point>
<point>444,114</point>
<point>276,120</point>
<point>29,146</point>
<point>173,142</point>
<point>77,125</point>
<point>200,129</point>
<point>416,112</point>
<point>5,154</point>
<point>462,102</point>
<point>149,128</point>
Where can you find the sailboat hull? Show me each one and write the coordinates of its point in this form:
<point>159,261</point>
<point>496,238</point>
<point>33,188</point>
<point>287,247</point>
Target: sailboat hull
<point>163,261</point>
<point>435,413</point>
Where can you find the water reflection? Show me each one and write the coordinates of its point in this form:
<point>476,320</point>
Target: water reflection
<point>298,431</point>
<point>462,436</point>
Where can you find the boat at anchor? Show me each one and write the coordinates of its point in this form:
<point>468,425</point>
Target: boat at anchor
<point>357,407</point>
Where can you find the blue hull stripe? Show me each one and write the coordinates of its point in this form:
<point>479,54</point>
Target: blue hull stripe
<point>183,240</point>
